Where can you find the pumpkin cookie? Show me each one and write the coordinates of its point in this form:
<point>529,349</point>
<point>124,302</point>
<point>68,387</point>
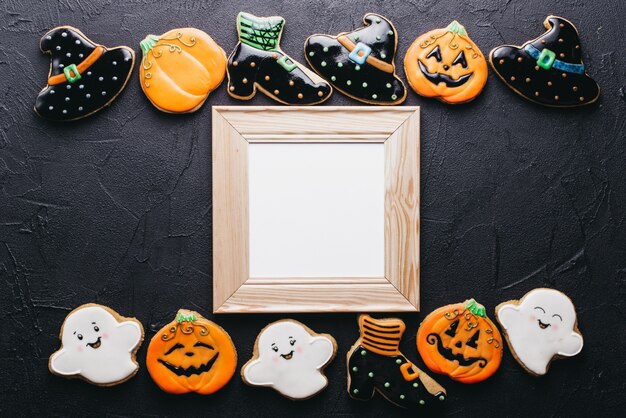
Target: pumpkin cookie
<point>258,63</point>
<point>360,63</point>
<point>375,364</point>
<point>447,65</point>
<point>191,354</point>
<point>97,345</point>
<point>549,69</point>
<point>460,341</point>
<point>84,77</point>
<point>180,68</point>
<point>539,328</point>
<point>290,358</point>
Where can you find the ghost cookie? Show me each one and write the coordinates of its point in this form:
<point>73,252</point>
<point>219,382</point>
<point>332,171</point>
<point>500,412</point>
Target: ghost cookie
<point>84,77</point>
<point>447,65</point>
<point>539,328</point>
<point>360,63</point>
<point>97,345</point>
<point>258,63</point>
<point>191,354</point>
<point>549,69</point>
<point>180,68</point>
<point>375,364</point>
<point>290,358</point>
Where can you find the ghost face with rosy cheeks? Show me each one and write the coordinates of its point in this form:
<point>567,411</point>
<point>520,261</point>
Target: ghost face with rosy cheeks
<point>540,327</point>
<point>290,360</point>
<point>97,347</point>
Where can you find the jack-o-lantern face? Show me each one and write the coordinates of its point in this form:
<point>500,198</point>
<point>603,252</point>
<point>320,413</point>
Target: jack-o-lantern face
<point>460,341</point>
<point>447,65</point>
<point>191,354</point>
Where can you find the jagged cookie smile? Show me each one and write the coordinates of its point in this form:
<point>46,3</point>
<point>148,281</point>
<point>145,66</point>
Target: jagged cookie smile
<point>191,370</point>
<point>437,78</point>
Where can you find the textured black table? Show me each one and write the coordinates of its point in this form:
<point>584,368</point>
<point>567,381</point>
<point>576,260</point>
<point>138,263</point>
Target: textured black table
<point>116,209</point>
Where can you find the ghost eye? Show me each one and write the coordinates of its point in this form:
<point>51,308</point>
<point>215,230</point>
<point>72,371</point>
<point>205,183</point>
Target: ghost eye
<point>435,53</point>
<point>96,328</point>
<point>473,340</point>
<point>460,59</point>
<point>539,307</point>
<point>451,331</point>
<point>275,348</point>
<point>80,336</point>
<point>559,316</point>
<point>292,341</point>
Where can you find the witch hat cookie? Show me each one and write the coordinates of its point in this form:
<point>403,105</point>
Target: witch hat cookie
<point>547,70</point>
<point>84,76</point>
<point>258,63</point>
<point>375,364</point>
<point>360,63</point>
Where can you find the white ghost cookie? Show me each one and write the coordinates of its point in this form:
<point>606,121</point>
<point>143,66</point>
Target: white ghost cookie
<point>97,345</point>
<point>290,358</point>
<point>539,328</point>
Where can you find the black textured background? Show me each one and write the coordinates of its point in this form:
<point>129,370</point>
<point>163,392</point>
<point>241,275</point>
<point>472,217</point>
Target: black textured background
<point>116,209</point>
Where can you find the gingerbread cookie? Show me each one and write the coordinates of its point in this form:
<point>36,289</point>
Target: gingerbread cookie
<point>460,341</point>
<point>360,63</point>
<point>290,358</point>
<point>97,345</point>
<point>445,64</point>
<point>375,364</point>
<point>258,63</point>
<point>180,68</point>
<point>84,76</point>
<point>539,328</point>
<point>191,354</point>
<point>549,69</point>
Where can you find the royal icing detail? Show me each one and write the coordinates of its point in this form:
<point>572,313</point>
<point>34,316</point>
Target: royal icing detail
<point>375,363</point>
<point>549,69</point>
<point>84,76</point>
<point>460,341</point>
<point>97,345</point>
<point>180,68</point>
<point>191,354</point>
<point>360,63</point>
<point>447,65</point>
<point>540,327</point>
<point>258,63</point>
<point>290,358</point>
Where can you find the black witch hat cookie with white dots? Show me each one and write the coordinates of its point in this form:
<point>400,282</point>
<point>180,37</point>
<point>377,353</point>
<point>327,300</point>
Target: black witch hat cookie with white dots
<point>84,76</point>
<point>360,63</point>
<point>549,69</point>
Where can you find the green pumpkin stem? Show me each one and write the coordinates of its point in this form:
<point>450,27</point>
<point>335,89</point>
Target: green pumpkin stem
<point>456,27</point>
<point>148,43</point>
<point>475,308</point>
<point>185,316</point>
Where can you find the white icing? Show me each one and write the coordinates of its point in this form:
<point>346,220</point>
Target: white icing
<point>299,377</point>
<point>110,362</point>
<point>541,327</point>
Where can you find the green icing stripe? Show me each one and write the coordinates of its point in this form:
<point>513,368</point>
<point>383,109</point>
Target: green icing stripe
<point>476,308</point>
<point>181,317</point>
<point>260,33</point>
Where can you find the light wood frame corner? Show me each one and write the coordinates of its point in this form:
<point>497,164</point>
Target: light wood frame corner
<point>234,127</point>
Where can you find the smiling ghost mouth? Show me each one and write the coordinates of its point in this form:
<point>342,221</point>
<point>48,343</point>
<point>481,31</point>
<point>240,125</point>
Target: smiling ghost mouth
<point>437,78</point>
<point>542,325</point>
<point>287,356</point>
<point>95,344</point>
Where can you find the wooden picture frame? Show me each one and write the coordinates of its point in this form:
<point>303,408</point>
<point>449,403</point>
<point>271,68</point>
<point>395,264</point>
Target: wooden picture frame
<point>234,128</point>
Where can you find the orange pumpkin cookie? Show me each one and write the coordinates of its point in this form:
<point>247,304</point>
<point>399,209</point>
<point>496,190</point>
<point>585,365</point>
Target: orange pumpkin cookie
<point>191,354</point>
<point>460,341</point>
<point>180,68</point>
<point>447,65</point>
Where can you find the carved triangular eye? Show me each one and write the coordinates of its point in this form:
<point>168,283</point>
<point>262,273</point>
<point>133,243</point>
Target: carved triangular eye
<point>435,53</point>
<point>472,342</point>
<point>451,331</point>
<point>460,59</point>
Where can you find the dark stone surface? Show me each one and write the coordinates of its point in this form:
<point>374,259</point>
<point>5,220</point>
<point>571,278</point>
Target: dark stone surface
<point>116,209</point>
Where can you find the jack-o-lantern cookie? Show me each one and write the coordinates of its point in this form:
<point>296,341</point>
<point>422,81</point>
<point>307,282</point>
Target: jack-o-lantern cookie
<point>98,345</point>
<point>180,68</point>
<point>84,77</point>
<point>258,63</point>
<point>290,358</point>
<point>191,354</point>
<point>375,364</point>
<point>539,328</point>
<point>447,65</point>
<point>549,69</point>
<point>460,341</point>
<point>360,63</point>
